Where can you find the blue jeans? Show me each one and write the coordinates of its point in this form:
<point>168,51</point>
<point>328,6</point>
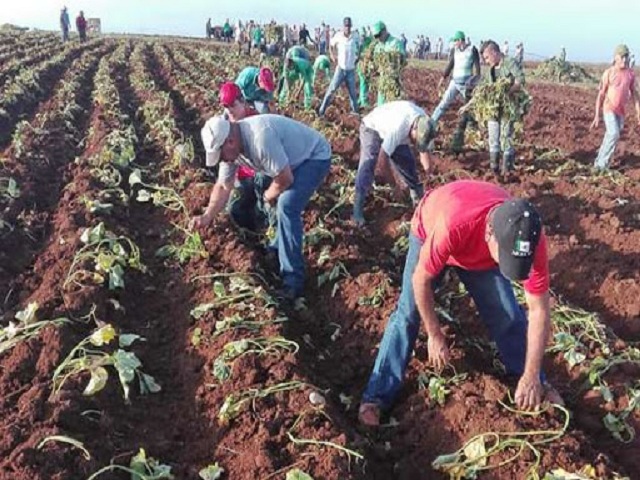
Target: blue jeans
<point>339,77</point>
<point>501,137</point>
<point>307,177</point>
<point>499,310</point>
<point>402,159</point>
<point>455,89</point>
<point>613,124</point>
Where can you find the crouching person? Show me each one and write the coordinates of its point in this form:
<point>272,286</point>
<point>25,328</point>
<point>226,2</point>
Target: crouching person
<point>296,158</point>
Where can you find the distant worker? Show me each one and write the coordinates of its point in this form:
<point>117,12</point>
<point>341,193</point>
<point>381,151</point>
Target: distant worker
<point>439,48</point>
<point>501,129</point>
<point>227,31</point>
<point>65,24</point>
<point>297,68</point>
<point>505,48</point>
<point>617,86</point>
<point>344,51</point>
<point>257,87</point>
<point>303,36</point>
<point>322,65</point>
<point>464,63</point>
<point>388,44</point>
<point>81,26</point>
<point>385,135</point>
<point>563,55</point>
<point>518,56</point>
<point>208,31</point>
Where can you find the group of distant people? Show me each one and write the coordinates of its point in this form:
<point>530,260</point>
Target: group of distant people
<point>65,25</point>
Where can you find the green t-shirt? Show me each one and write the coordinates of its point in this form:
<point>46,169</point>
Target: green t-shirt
<point>257,35</point>
<point>248,82</point>
<point>391,44</point>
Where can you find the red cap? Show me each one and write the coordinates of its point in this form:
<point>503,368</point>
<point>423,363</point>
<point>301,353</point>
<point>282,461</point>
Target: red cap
<point>229,93</point>
<point>265,79</point>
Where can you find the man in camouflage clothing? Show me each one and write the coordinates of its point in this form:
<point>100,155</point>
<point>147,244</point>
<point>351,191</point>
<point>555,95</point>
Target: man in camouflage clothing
<point>387,45</point>
<point>501,129</point>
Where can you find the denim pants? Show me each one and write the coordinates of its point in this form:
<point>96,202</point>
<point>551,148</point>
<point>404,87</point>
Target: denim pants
<point>402,159</point>
<point>613,124</point>
<point>498,308</point>
<point>339,77</point>
<point>501,137</point>
<point>455,89</point>
<point>307,177</point>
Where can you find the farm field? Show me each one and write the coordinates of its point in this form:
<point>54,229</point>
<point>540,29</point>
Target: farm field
<point>133,332</point>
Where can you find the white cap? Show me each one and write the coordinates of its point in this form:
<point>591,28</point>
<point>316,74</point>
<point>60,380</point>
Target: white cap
<point>214,133</point>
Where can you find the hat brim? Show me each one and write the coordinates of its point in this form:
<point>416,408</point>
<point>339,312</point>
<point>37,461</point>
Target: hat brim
<point>512,267</point>
<point>213,157</point>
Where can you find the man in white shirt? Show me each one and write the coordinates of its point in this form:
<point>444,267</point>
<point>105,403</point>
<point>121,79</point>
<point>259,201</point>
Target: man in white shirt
<point>385,134</point>
<point>346,46</point>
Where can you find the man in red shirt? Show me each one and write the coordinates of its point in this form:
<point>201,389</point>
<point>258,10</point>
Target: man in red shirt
<point>246,207</point>
<point>489,239</point>
<point>81,25</point>
<point>617,87</point>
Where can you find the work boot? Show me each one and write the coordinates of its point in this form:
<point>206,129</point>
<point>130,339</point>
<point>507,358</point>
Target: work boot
<point>493,161</point>
<point>508,163</point>
<point>358,210</point>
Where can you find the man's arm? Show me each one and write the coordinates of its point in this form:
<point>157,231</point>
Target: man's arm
<point>601,94</point>
<point>538,332</point>
<point>449,68</point>
<point>280,183</point>
<point>217,200</point>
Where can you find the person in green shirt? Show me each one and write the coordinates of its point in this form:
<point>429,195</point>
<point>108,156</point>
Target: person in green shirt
<point>257,86</point>
<point>363,97</point>
<point>227,31</point>
<point>387,76</point>
<point>297,66</point>
<point>322,64</point>
<point>501,129</point>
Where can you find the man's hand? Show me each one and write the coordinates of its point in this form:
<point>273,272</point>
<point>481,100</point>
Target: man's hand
<point>270,198</point>
<point>425,161</point>
<point>200,222</point>
<point>596,122</point>
<point>438,350</point>
<point>440,82</point>
<point>529,392</point>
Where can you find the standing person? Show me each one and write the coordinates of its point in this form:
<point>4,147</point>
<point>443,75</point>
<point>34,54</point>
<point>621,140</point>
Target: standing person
<point>385,135</point>
<point>519,54</point>
<point>321,64</point>
<point>363,82</point>
<point>344,51</point>
<point>227,31</point>
<point>490,239</point>
<point>65,24</point>
<point>256,37</point>
<point>427,48</point>
<point>297,67</point>
<point>617,86</point>
<point>294,155</point>
<point>403,41</point>
<point>505,48</point>
<point>208,29</point>
<point>257,86</point>
<point>464,62</point>
<point>501,129</point>
<point>563,55</point>
<point>388,44</point>
<point>81,26</point>
<point>326,36</point>
<point>303,36</point>
<point>439,48</point>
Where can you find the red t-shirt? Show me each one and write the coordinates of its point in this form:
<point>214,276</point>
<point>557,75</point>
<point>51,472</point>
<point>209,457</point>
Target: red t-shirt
<point>246,172</point>
<point>451,222</point>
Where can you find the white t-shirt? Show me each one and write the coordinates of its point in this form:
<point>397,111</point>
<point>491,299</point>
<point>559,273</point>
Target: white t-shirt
<point>393,122</point>
<point>347,50</point>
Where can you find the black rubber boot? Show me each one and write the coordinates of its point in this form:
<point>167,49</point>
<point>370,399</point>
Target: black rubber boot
<point>494,158</point>
<point>508,164</point>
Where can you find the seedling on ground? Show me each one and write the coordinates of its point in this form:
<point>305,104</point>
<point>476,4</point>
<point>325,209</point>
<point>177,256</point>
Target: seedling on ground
<point>85,358</point>
<point>438,385</point>
<point>376,298</point>
<point>26,327</point>
<point>9,188</point>
<point>109,254</point>
<point>236,402</point>
<point>141,467</point>
<point>191,248</point>
<point>258,346</point>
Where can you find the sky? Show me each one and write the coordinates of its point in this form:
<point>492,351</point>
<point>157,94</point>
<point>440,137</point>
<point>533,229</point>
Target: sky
<point>588,29</point>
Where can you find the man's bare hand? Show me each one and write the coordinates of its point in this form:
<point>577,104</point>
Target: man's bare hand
<point>200,222</point>
<point>438,350</point>
<point>596,123</point>
<point>529,392</point>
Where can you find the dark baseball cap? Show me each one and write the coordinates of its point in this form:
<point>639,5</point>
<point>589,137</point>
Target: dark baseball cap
<point>517,228</point>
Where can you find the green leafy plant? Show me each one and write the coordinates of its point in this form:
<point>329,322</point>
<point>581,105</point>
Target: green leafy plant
<point>376,298</point>
<point>297,474</point>
<point>85,358</point>
<point>439,385</point>
<point>9,188</point>
<point>211,472</point>
<point>191,248</point>
<point>108,253</point>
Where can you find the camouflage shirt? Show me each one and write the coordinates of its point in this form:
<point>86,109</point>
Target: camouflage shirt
<point>391,44</point>
<point>508,68</point>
